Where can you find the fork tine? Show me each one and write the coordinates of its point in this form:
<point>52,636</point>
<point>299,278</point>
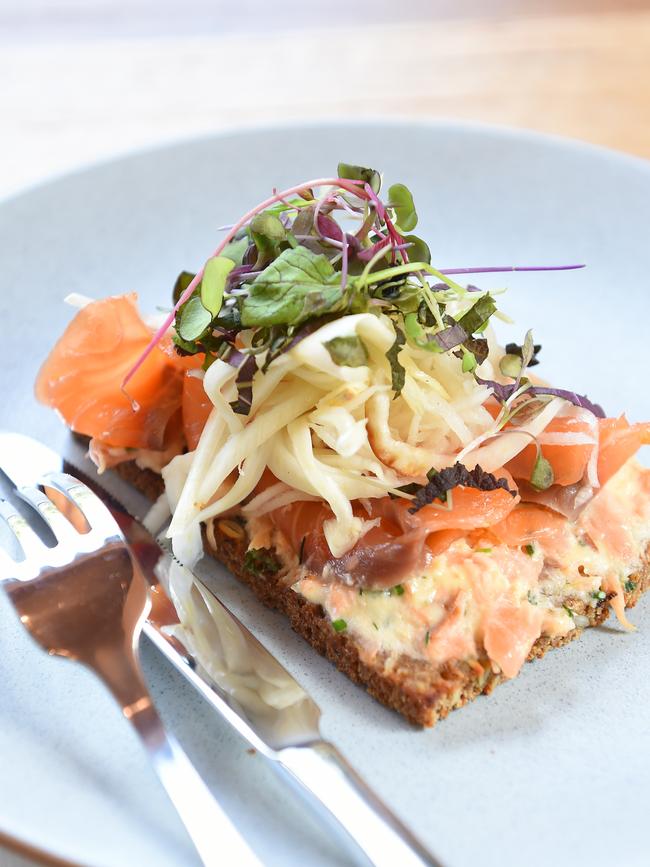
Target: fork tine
<point>94,511</point>
<point>61,528</point>
<point>32,546</point>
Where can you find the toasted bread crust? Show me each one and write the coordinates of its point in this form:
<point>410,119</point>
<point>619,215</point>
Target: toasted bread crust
<point>419,691</point>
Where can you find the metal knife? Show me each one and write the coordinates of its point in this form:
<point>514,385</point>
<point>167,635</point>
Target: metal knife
<point>284,728</point>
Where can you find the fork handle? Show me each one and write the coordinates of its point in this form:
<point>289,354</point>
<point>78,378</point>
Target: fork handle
<point>336,788</point>
<point>214,836</point>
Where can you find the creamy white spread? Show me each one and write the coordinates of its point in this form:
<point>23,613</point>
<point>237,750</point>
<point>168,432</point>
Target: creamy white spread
<point>495,598</point>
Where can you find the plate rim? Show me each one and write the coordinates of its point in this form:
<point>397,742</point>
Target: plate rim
<point>555,141</point>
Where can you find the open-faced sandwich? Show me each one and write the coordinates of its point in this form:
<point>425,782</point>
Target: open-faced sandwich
<point>333,418</point>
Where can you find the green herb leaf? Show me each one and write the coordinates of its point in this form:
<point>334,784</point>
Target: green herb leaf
<point>511,365</point>
<point>213,283</point>
<point>194,319</point>
<point>297,286</point>
<point>478,315</point>
<point>629,586</point>
<point>236,249</point>
<point>182,282</point>
<point>530,549</point>
<point>427,636</point>
<point>401,200</point>
<point>398,373</point>
<point>339,625</point>
<point>269,225</point>
<point>349,172</point>
<point>527,350</point>
<point>347,351</point>
<point>483,550</point>
<point>469,361</point>
<point>267,232</point>
<point>397,590</point>
<point>419,250</point>
<point>260,561</point>
<point>542,476</point>
<point>568,611</point>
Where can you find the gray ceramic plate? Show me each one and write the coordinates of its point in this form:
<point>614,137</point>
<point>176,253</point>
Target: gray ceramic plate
<point>554,767</point>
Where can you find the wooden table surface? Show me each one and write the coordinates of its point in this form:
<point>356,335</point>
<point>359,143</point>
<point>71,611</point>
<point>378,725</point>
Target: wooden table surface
<point>83,80</point>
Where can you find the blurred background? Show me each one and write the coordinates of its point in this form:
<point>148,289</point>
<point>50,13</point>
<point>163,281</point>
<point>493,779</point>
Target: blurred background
<point>82,80</point>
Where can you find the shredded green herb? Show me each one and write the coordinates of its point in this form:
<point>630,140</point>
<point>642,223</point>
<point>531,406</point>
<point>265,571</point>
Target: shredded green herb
<point>339,625</point>
<point>530,549</point>
<point>397,590</point>
<point>630,586</point>
<point>260,561</point>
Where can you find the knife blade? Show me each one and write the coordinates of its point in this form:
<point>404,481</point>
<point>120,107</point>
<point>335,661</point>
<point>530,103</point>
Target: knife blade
<point>234,672</point>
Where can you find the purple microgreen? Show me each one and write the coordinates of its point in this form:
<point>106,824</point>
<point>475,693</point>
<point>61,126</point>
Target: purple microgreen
<point>244,383</point>
<point>500,268</point>
<point>450,337</point>
<point>304,221</point>
<point>328,228</point>
<point>576,399</point>
<point>478,347</point>
<point>503,393</point>
<point>352,186</point>
<point>456,476</point>
<point>368,253</point>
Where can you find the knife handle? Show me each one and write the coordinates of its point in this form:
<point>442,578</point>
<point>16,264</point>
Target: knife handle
<point>332,782</point>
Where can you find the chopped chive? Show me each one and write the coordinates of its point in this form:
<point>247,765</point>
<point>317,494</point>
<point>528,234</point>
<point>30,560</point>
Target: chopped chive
<point>427,636</point>
<point>483,550</point>
<point>339,625</point>
<point>629,586</point>
<point>530,549</point>
<point>397,590</point>
<point>375,625</point>
<point>568,611</point>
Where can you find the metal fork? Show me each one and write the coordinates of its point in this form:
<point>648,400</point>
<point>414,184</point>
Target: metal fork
<point>85,599</point>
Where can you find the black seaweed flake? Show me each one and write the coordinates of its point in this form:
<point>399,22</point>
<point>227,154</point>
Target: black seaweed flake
<point>452,477</point>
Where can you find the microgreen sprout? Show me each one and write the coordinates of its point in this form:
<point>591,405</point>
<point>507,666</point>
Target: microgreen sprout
<point>319,250</point>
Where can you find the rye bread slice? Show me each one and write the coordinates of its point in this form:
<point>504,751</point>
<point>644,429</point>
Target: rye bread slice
<point>421,692</point>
